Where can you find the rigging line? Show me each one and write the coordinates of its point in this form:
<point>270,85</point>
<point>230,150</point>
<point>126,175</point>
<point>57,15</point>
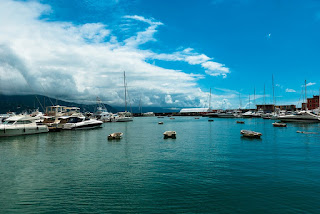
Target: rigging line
<point>46,93</point>
<point>35,96</point>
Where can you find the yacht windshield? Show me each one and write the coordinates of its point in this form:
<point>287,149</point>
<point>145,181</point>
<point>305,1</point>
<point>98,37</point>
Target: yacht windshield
<point>9,122</point>
<point>74,120</point>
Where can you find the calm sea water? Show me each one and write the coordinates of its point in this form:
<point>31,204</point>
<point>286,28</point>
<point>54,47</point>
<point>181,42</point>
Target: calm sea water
<point>209,168</point>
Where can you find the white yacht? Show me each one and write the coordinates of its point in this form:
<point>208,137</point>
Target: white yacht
<point>259,113</point>
<point>79,121</point>
<point>247,114</point>
<point>103,115</point>
<point>227,114</point>
<point>301,116</point>
<point>21,125</point>
<point>123,117</point>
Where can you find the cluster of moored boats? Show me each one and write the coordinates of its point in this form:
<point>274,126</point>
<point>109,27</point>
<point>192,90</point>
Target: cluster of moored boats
<point>55,119</point>
<point>284,116</point>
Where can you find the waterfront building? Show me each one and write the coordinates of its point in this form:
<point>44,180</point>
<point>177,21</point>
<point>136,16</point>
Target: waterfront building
<point>266,108</point>
<point>287,107</point>
<point>313,103</point>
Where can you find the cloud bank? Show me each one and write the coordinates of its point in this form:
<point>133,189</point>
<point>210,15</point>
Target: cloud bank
<point>79,62</point>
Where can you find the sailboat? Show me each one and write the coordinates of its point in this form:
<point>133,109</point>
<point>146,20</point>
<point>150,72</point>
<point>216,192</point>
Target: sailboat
<point>124,116</point>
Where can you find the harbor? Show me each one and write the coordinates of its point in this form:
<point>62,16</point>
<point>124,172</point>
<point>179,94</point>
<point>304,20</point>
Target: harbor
<point>83,171</point>
<point>162,107</point>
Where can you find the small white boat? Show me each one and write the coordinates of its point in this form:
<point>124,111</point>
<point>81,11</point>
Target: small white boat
<point>160,123</point>
<point>115,136</point>
<point>21,125</point>
<point>279,124</point>
<point>250,134</point>
<point>170,134</point>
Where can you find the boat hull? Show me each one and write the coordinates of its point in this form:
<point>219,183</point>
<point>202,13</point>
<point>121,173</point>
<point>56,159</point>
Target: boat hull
<point>81,125</point>
<point>28,130</point>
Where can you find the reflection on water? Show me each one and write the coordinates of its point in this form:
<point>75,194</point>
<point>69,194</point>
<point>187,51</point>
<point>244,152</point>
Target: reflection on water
<point>209,168</point>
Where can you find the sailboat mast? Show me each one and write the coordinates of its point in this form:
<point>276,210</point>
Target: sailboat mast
<point>210,100</point>
<point>254,96</point>
<point>125,91</point>
<point>240,101</point>
<point>249,101</point>
<point>305,87</point>
<point>274,99</point>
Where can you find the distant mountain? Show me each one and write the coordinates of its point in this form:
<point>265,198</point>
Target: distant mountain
<point>21,103</point>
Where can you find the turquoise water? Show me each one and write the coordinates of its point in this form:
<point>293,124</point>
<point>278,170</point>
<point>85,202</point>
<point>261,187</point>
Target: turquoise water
<point>209,168</point>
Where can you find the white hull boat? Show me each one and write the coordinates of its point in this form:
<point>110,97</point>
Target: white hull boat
<point>79,121</point>
<point>21,125</point>
<point>303,117</point>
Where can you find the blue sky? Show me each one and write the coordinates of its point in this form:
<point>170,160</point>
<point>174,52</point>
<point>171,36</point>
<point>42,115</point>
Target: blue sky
<point>173,51</point>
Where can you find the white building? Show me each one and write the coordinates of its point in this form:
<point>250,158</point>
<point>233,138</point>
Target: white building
<point>194,110</point>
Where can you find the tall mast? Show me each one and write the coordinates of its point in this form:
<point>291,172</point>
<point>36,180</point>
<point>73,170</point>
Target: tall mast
<point>140,108</point>
<point>254,96</point>
<point>264,95</point>
<point>125,91</point>
<point>274,99</point>
<point>305,88</point>
<point>210,100</point>
<point>249,101</point>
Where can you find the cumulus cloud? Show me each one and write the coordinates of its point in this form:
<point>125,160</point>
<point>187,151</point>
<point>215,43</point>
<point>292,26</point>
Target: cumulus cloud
<point>288,90</point>
<point>79,62</point>
<point>193,58</point>
<point>311,83</point>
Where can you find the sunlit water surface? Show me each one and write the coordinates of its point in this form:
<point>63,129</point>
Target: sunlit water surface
<point>209,168</point>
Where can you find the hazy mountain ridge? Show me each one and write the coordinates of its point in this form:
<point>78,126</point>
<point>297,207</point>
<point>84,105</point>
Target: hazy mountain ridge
<point>21,103</point>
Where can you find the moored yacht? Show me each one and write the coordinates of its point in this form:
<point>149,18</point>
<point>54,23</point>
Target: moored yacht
<point>103,115</point>
<point>21,125</point>
<point>122,117</point>
<point>79,121</point>
<point>301,116</point>
<point>227,114</point>
<point>247,114</point>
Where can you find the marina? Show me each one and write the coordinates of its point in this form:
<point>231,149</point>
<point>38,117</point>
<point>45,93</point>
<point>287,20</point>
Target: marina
<point>212,163</point>
<point>143,106</point>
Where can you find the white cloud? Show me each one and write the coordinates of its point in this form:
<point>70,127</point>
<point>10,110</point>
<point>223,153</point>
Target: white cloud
<point>311,83</point>
<point>193,58</point>
<point>80,62</point>
<point>288,90</point>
